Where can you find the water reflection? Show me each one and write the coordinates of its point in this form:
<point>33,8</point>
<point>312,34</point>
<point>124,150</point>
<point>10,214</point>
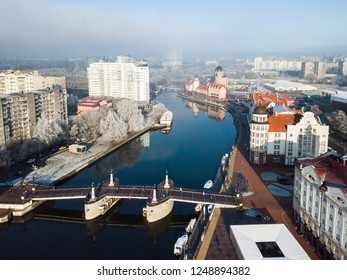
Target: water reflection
<point>213,112</point>
<point>125,157</point>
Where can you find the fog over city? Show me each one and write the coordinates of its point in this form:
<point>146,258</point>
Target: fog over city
<point>66,29</point>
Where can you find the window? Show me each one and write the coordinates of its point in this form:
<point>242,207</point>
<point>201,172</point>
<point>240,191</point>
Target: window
<point>330,230</point>
<point>277,147</point>
<point>339,212</point>
<point>331,217</point>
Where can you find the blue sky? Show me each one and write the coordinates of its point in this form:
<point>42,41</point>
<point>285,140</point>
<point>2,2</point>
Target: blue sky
<point>206,29</point>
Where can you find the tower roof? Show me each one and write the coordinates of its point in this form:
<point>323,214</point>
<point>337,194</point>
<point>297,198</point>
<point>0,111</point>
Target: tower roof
<point>260,110</point>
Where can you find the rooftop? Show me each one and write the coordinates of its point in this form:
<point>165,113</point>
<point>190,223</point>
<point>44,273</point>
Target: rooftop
<point>267,242</point>
<point>331,170</point>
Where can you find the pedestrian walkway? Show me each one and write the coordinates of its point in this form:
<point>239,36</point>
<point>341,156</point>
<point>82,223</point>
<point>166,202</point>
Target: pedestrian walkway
<point>274,209</point>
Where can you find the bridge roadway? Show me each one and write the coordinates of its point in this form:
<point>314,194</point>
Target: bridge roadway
<point>135,192</point>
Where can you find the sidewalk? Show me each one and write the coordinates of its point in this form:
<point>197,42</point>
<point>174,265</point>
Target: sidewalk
<point>278,209</point>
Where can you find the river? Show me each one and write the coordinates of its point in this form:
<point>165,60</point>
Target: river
<point>191,154</point>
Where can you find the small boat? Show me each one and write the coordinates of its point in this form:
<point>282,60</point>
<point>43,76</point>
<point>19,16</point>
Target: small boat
<point>190,226</point>
<point>198,207</point>
<point>180,243</point>
<point>208,185</point>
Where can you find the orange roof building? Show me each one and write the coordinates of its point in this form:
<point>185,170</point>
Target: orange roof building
<point>282,135</point>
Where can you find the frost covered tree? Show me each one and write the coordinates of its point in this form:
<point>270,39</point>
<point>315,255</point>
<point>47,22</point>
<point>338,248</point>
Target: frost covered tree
<point>131,115</point>
<point>157,111</point>
<point>5,156</point>
<point>338,121</point>
<point>48,132</point>
<point>112,128</point>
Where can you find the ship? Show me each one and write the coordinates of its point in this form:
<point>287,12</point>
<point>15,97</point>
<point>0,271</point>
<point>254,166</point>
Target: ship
<point>180,244</point>
<point>208,185</point>
<point>190,226</point>
<point>166,118</point>
<point>159,204</point>
<point>166,122</point>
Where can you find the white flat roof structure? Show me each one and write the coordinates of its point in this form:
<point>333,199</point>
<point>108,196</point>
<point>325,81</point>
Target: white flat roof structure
<point>285,86</point>
<point>266,242</point>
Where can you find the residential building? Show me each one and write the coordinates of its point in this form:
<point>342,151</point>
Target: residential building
<point>19,113</point>
<point>342,67</point>
<point>276,65</point>
<point>23,82</point>
<point>215,88</point>
<point>319,203</point>
<point>268,100</point>
<point>278,135</point>
<point>124,78</point>
<point>308,69</point>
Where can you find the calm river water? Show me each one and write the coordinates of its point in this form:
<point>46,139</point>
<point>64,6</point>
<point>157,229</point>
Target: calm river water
<point>191,153</point>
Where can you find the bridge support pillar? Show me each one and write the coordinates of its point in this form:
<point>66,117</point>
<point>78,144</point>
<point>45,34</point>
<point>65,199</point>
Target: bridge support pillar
<point>96,208</point>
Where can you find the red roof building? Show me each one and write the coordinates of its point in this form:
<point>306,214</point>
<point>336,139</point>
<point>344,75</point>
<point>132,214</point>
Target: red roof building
<point>319,203</point>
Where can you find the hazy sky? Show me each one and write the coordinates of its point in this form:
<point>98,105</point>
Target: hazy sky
<point>149,28</point>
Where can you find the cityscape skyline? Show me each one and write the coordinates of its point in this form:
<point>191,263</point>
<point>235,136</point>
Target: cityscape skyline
<point>152,28</point>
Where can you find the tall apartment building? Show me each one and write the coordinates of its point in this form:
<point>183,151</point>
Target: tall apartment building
<point>124,78</point>
<point>23,82</point>
<point>19,113</point>
<point>276,65</point>
<point>278,135</point>
<point>319,203</point>
<point>342,67</point>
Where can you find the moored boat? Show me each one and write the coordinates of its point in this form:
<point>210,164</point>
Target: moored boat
<point>190,226</point>
<point>208,185</point>
<point>180,244</point>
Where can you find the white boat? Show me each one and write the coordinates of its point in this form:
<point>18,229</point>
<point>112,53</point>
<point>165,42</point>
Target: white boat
<point>208,185</point>
<point>198,207</point>
<point>190,226</point>
<point>166,118</point>
<point>180,243</point>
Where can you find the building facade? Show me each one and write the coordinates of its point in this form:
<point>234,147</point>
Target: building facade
<point>124,78</point>
<point>261,64</point>
<point>215,88</point>
<point>19,113</point>
<point>279,135</point>
<point>23,82</point>
<point>319,203</point>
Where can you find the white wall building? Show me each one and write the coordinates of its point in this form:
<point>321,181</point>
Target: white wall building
<point>124,78</point>
<point>19,113</point>
<point>319,202</point>
<point>280,135</point>
<point>23,82</point>
<point>276,64</point>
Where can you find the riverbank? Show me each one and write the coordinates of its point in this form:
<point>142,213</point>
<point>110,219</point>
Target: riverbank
<point>272,209</point>
<point>67,164</point>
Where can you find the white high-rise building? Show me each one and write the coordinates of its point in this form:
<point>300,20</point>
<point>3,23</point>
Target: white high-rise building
<point>124,78</point>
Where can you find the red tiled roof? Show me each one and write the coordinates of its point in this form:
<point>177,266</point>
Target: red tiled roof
<point>330,170</point>
<point>202,87</point>
<point>265,98</point>
<point>189,83</point>
<point>286,97</point>
<point>278,123</point>
<point>94,104</point>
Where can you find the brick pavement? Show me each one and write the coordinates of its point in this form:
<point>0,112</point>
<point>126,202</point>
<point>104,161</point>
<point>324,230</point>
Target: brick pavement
<point>278,209</point>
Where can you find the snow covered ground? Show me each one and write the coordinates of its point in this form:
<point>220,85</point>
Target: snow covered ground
<point>67,163</point>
